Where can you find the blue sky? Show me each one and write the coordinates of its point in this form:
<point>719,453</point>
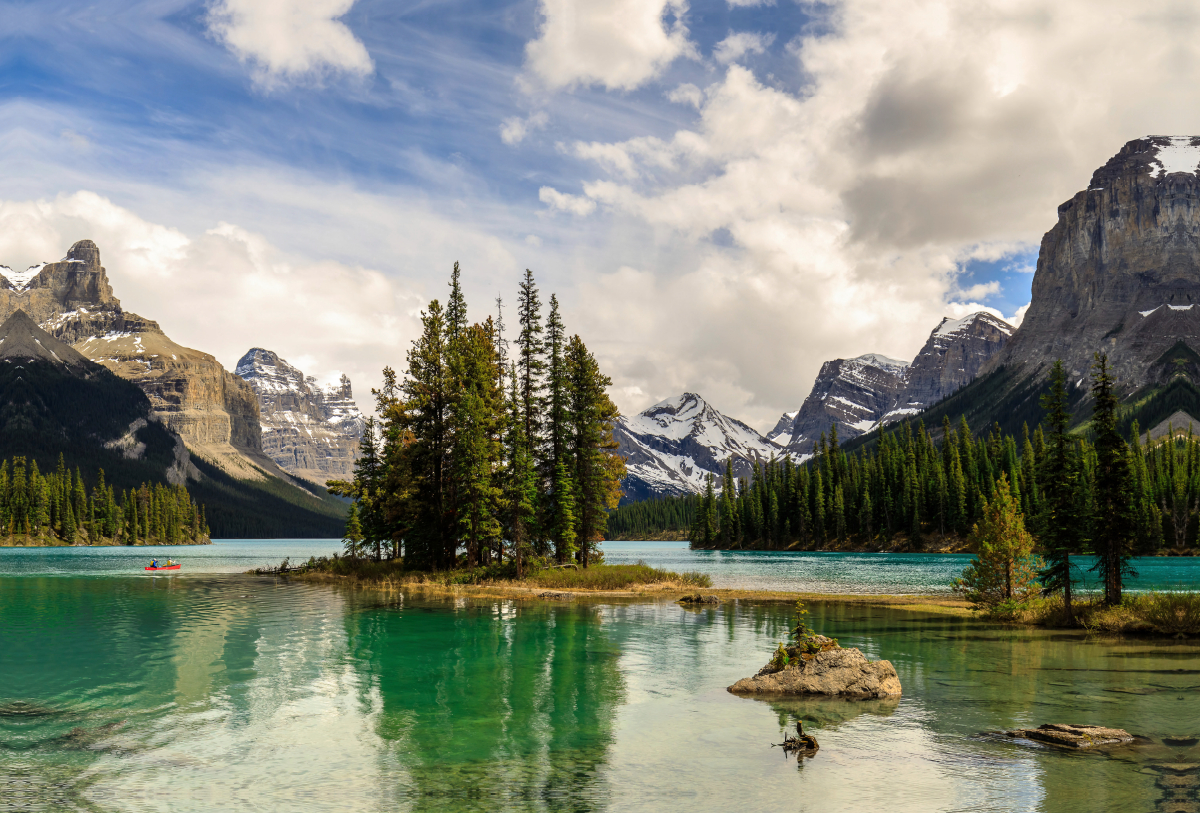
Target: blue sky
<point>724,195</point>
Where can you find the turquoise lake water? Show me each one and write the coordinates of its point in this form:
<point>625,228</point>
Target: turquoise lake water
<point>871,573</point>
<point>217,691</point>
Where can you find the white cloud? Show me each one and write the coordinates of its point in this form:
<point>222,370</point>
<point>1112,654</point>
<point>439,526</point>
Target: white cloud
<point>749,3</point>
<point>1017,318</point>
<point>736,46</point>
<point>979,290</point>
<point>619,44</point>
<point>514,129</point>
<point>687,93</point>
<point>564,202</point>
<point>840,212</point>
<point>289,40</point>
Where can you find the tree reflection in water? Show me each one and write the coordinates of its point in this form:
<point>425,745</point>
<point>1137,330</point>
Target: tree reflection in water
<point>493,703</point>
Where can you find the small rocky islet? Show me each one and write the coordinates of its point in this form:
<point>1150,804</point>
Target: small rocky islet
<point>829,671</point>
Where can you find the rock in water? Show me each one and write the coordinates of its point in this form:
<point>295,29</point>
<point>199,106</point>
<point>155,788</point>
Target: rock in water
<point>1074,736</point>
<point>832,673</point>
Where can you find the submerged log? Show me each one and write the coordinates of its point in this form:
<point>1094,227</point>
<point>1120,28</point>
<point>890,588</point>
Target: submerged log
<point>1073,736</point>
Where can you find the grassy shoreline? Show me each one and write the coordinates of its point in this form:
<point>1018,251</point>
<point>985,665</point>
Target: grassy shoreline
<point>599,582</point>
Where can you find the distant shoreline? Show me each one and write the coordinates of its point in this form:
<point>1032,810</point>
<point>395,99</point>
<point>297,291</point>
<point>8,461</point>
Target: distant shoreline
<point>22,542</point>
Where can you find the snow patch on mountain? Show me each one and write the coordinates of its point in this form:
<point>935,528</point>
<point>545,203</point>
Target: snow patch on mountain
<point>310,430</point>
<point>1178,156</point>
<point>671,447</point>
<point>21,279</point>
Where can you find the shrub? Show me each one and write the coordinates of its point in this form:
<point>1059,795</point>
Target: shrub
<point>1170,613</point>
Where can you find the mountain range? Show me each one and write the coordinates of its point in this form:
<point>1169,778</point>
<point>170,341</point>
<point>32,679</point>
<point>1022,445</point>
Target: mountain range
<point>674,445</point>
<point>209,423</point>
<point>1118,274</point>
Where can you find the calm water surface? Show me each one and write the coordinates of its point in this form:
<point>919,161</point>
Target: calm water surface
<point>870,573</point>
<point>224,692</point>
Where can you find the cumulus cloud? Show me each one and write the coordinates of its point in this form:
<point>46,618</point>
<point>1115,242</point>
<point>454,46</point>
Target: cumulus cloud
<point>289,40</point>
<point>737,45</point>
<point>514,129</point>
<point>563,202</point>
<point>619,44</point>
<point>791,225</point>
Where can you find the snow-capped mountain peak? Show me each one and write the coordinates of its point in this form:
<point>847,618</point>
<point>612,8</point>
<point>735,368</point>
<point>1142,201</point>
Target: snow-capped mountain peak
<point>671,447</point>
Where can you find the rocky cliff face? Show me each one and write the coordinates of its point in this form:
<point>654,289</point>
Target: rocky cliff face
<point>952,357</point>
<point>674,445</point>
<point>214,412</point>
<point>854,393</point>
<point>310,431</point>
<point>1120,270</point>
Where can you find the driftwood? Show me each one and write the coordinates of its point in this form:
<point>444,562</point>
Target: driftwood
<point>802,744</point>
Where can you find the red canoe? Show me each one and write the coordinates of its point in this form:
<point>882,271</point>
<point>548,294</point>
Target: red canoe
<point>165,567</point>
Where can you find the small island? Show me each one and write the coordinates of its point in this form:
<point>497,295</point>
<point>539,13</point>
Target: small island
<point>812,664</point>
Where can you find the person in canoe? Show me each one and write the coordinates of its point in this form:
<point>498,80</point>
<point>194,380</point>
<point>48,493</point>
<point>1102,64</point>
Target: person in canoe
<point>153,563</point>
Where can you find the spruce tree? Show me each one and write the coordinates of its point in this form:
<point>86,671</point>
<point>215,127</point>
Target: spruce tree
<point>1114,521</point>
<point>1060,523</point>
<point>591,416</point>
<point>352,542</point>
<point>520,482</point>
<point>530,367</point>
<point>477,409</point>
<point>560,497</point>
<point>426,418</point>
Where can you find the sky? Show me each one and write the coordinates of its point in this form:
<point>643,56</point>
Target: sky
<point>722,194</point>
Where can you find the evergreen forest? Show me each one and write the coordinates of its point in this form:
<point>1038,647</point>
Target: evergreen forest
<point>58,507</point>
<point>658,518</point>
<point>1075,490</point>
<point>487,452</point>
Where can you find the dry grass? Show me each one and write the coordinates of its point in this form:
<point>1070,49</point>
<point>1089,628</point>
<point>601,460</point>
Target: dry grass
<point>597,577</point>
<point>1176,614</point>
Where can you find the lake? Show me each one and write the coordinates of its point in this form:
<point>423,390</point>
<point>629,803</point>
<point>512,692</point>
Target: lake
<point>216,691</point>
<point>863,573</point>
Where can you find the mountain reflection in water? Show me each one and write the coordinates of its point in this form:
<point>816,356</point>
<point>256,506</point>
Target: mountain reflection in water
<point>235,693</point>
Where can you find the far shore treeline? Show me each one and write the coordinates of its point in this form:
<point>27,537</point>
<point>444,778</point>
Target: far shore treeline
<point>1087,492</point>
<point>58,508</point>
<point>485,454</point>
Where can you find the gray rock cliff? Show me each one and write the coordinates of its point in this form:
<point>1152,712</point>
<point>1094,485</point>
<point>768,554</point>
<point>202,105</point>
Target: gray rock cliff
<point>310,431</point>
<point>213,411</point>
<point>1119,271</point>
<point>854,393</point>
<point>952,357</point>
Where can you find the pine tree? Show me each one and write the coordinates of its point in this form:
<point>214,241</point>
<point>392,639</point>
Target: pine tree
<point>1060,523</point>
<point>352,542</point>
<point>591,416</point>
<point>1114,526</point>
